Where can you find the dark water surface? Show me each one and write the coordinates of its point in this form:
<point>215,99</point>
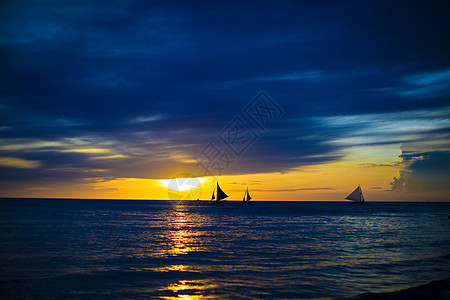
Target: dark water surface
<point>101,249</point>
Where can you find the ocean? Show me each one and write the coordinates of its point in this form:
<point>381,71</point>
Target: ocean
<point>119,249</point>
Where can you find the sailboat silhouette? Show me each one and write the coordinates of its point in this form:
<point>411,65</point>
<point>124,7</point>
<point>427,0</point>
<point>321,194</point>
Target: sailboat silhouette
<point>356,196</point>
<point>247,197</point>
<point>220,194</point>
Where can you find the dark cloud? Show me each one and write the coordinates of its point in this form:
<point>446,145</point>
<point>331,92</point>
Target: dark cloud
<point>156,82</point>
<point>427,171</point>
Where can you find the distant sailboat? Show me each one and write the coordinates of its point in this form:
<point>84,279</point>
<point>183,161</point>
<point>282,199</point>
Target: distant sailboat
<point>356,196</point>
<point>220,194</point>
<point>247,196</point>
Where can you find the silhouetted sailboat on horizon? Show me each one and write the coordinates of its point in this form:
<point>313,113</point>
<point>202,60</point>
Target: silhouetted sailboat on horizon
<point>356,196</point>
<point>247,196</point>
<point>220,194</point>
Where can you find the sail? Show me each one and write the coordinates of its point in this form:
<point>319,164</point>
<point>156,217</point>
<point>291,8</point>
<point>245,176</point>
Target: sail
<point>220,194</point>
<point>212,197</point>
<point>248,195</point>
<point>356,195</point>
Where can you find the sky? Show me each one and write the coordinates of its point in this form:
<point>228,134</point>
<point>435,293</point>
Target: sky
<point>298,100</point>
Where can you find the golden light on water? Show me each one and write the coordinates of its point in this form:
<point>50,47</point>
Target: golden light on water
<point>193,286</point>
<point>183,239</point>
<point>180,242</point>
<point>172,268</point>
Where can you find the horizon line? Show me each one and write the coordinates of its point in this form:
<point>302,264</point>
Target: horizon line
<point>191,200</point>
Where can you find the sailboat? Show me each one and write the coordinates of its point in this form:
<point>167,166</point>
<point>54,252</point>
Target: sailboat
<point>220,194</point>
<point>356,196</point>
<point>246,196</point>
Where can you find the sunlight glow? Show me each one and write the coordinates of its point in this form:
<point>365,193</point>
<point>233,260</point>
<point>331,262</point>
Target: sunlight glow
<point>181,184</point>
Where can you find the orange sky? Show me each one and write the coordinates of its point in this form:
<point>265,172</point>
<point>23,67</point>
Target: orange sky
<point>327,181</point>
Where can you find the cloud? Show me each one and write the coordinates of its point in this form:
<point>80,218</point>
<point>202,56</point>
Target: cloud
<point>93,146</point>
<point>144,119</point>
<point>426,171</point>
<point>390,164</point>
<point>421,85</point>
<point>425,85</point>
<point>427,79</point>
<point>306,76</point>
<point>388,128</point>
<point>18,163</point>
<point>39,188</point>
<point>404,183</point>
<point>290,76</point>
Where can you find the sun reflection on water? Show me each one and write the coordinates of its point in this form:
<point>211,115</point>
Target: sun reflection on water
<point>190,286</point>
<point>183,237</point>
<point>189,297</point>
<point>173,268</point>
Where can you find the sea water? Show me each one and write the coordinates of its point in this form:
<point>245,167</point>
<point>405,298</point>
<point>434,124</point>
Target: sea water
<point>100,249</point>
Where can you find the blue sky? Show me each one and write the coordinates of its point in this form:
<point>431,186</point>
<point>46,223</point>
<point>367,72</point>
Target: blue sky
<point>135,89</point>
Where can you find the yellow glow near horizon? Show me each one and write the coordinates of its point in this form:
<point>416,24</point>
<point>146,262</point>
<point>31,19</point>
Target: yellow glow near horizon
<point>373,169</point>
<point>186,183</point>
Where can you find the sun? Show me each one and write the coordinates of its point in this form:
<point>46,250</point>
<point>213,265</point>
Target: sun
<point>183,187</point>
<point>182,183</point>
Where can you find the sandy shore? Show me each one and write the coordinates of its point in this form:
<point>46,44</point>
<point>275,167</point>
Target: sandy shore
<point>435,290</point>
